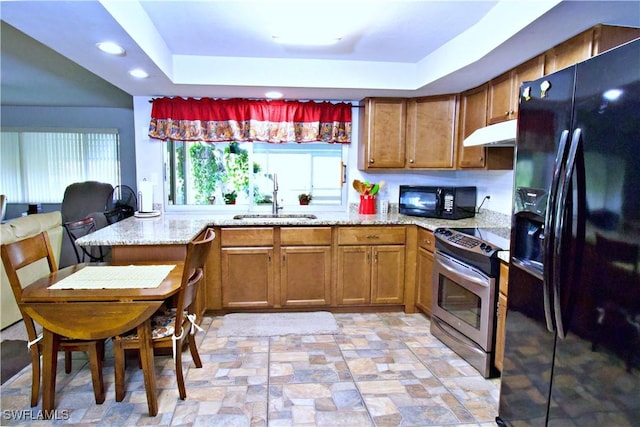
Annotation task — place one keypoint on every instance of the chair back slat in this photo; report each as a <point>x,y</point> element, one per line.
<point>22,254</point>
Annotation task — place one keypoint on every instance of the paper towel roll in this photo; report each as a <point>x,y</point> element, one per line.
<point>145,196</point>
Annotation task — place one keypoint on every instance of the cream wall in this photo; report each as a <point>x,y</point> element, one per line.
<point>497,184</point>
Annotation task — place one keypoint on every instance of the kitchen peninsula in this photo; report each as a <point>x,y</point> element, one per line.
<point>338,261</point>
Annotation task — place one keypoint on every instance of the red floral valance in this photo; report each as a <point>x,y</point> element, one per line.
<point>221,120</point>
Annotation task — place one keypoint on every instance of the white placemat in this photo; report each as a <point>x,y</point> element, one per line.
<point>116,277</point>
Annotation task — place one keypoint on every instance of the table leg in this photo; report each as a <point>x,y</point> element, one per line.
<point>148,367</point>
<point>49,367</point>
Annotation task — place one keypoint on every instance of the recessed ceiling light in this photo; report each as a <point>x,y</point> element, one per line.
<point>273,94</point>
<point>111,48</point>
<point>306,39</point>
<point>139,73</point>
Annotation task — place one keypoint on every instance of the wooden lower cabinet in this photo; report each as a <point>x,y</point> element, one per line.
<point>370,273</point>
<point>387,275</point>
<point>502,314</point>
<point>247,267</point>
<point>271,267</point>
<point>291,267</point>
<point>424,273</point>
<point>305,276</point>
<point>247,277</point>
<point>354,275</point>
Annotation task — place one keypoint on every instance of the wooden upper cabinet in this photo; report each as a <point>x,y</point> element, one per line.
<point>500,106</point>
<point>383,127</point>
<point>568,53</point>
<point>503,91</point>
<point>587,44</point>
<point>431,125</point>
<point>473,115</point>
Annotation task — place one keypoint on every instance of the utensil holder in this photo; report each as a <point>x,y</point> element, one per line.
<point>367,204</point>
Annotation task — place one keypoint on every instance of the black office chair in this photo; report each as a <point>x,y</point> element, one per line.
<point>81,200</point>
<point>77,229</point>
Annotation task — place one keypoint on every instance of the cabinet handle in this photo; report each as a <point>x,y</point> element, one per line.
<point>410,160</point>
<point>371,161</point>
<point>283,258</point>
<point>373,236</point>
<point>375,257</point>
<point>427,241</point>
<point>506,113</point>
<point>368,257</point>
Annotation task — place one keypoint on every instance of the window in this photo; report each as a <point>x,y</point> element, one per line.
<point>243,173</point>
<point>38,165</point>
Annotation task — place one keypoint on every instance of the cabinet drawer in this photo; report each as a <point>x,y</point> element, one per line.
<point>426,239</point>
<point>246,237</point>
<point>371,236</point>
<point>305,236</point>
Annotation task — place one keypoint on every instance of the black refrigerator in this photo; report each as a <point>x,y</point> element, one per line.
<point>572,348</point>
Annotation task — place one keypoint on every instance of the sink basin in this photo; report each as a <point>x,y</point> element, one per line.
<point>275,216</point>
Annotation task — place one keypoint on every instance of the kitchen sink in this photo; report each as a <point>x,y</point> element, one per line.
<point>275,216</point>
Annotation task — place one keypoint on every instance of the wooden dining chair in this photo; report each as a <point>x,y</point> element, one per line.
<point>35,253</point>
<point>171,328</point>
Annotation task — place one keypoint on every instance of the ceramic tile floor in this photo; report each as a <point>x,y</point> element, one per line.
<point>383,369</point>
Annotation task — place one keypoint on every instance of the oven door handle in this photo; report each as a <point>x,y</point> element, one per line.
<point>457,268</point>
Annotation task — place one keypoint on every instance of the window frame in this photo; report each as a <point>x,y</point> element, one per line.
<point>169,161</point>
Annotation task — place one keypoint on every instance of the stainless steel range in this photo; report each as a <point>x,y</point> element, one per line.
<point>465,277</point>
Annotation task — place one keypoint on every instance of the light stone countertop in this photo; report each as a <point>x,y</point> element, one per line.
<point>180,228</point>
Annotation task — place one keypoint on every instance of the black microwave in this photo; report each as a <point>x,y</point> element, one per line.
<point>438,202</point>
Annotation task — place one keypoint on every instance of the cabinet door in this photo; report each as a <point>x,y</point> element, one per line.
<point>247,277</point>
<point>383,132</point>
<point>500,105</point>
<point>500,330</point>
<point>529,71</point>
<point>503,286</point>
<point>425,280</point>
<point>305,276</point>
<point>354,275</point>
<point>473,115</point>
<point>431,124</point>
<point>570,52</point>
<point>387,284</point>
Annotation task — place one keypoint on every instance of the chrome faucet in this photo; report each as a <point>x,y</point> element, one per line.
<point>275,207</point>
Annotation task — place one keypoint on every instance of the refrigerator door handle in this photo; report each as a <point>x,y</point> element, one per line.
<point>563,205</point>
<point>550,217</point>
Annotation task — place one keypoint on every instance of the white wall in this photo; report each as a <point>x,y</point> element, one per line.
<point>497,184</point>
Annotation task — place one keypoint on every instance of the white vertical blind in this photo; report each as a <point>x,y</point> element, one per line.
<point>37,166</point>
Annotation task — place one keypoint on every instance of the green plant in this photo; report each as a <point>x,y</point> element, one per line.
<point>230,198</point>
<point>236,165</point>
<point>207,171</point>
<point>305,198</point>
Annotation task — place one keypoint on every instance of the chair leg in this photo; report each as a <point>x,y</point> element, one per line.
<point>179,374</point>
<point>119,360</point>
<point>67,362</point>
<point>194,351</point>
<point>35,374</point>
<point>96,372</point>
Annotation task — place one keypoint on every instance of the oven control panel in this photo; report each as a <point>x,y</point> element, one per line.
<point>465,241</point>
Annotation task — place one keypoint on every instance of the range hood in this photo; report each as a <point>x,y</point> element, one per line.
<point>499,135</point>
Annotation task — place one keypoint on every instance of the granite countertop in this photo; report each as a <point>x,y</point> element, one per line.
<point>180,228</point>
